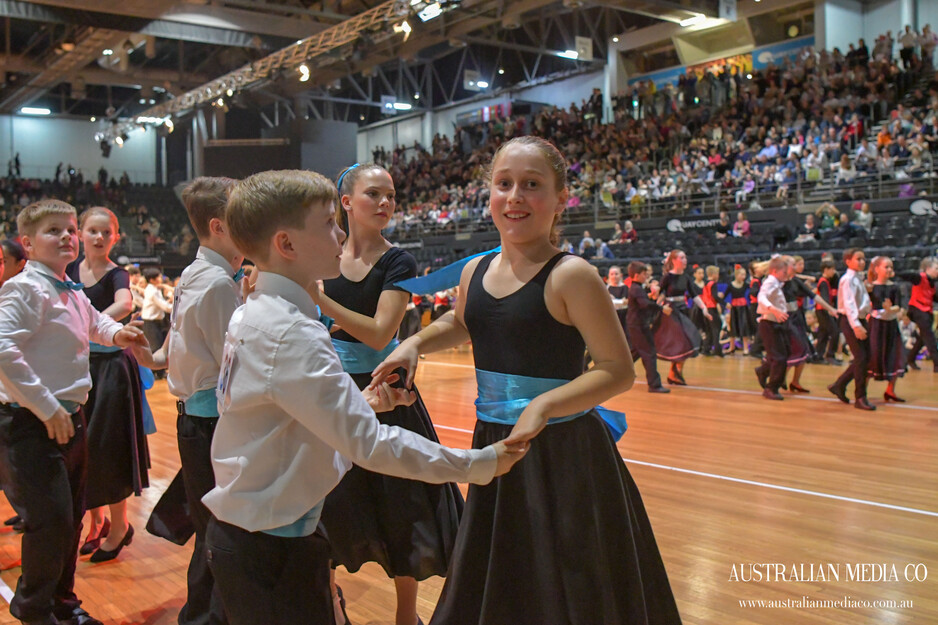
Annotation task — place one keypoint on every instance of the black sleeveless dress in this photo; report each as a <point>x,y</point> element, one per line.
<point>118,456</point>
<point>406,526</point>
<point>887,351</point>
<point>563,538</point>
<point>676,336</point>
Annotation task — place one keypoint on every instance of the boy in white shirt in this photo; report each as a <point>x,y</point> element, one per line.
<point>46,322</point>
<point>773,327</point>
<point>155,307</point>
<point>292,421</point>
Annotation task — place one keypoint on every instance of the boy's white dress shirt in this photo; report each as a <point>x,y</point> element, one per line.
<point>853,299</point>
<point>44,335</point>
<point>292,421</point>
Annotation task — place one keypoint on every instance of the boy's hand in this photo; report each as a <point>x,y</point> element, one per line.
<point>130,335</point>
<point>60,426</point>
<point>508,455</point>
<point>781,315</point>
<point>384,397</point>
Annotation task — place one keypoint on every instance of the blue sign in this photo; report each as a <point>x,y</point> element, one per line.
<point>776,53</point>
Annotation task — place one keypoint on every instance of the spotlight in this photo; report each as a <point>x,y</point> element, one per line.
<point>220,102</point>
<point>93,118</point>
<point>403,27</point>
<point>34,110</point>
<point>569,54</point>
<point>120,140</point>
<point>500,71</point>
<point>482,84</point>
<point>417,96</point>
<point>107,52</point>
<point>170,126</point>
<point>615,40</point>
<point>230,92</point>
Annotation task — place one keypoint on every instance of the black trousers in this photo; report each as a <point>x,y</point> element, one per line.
<point>828,334</point>
<point>642,342</point>
<point>776,339</point>
<point>714,326</point>
<point>194,435</point>
<point>857,371</point>
<point>46,486</point>
<point>926,335</point>
<point>756,347</point>
<point>271,580</point>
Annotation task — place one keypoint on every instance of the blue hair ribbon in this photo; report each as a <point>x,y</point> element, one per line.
<point>338,186</point>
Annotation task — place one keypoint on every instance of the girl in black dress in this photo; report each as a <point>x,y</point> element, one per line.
<point>887,352</point>
<point>407,527</point>
<point>676,336</point>
<point>118,457</point>
<point>740,328</point>
<point>757,270</point>
<point>564,537</point>
<point>795,291</point>
<point>619,291</point>
<point>696,312</point>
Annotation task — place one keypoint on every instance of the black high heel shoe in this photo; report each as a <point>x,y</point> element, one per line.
<point>797,388</point>
<point>892,397</point>
<point>91,544</point>
<point>103,556</point>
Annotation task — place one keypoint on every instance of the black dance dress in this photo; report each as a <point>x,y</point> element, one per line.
<point>887,352</point>
<point>563,538</point>
<point>406,526</point>
<point>739,311</point>
<point>118,456</point>
<point>800,348</point>
<point>676,336</point>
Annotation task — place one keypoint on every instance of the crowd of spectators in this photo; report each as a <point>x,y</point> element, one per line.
<point>737,138</point>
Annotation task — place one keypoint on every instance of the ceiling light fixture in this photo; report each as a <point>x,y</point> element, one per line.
<point>569,54</point>
<point>35,110</point>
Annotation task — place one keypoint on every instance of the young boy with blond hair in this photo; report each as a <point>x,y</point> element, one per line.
<point>46,325</point>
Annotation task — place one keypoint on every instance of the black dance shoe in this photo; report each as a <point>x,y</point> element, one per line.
<point>658,389</point>
<point>914,366</point>
<point>892,397</point>
<point>839,393</point>
<point>770,394</point>
<point>863,404</point>
<point>338,592</point>
<point>103,556</point>
<point>91,544</point>
<point>761,376</point>
<point>13,520</point>
<point>797,388</point>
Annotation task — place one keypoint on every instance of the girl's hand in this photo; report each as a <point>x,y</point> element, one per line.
<point>406,356</point>
<point>529,425</point>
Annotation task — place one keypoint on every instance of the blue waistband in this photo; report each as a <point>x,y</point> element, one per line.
<point>359,358</point>
<point>503,397</point>
<point>303,526</point>
<point>104,349</point>
<point>202,404</point>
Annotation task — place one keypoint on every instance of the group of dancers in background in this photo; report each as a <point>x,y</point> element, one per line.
<point>786,318</point>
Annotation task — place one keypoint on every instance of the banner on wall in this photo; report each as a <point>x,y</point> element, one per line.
<point>742,62</point>
<point>776,53</point>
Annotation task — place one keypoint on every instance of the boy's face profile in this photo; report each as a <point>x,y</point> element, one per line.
<point>54,242</point>
<point>317,247</point>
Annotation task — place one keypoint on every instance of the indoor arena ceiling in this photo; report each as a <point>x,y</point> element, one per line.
<point>120,59</point>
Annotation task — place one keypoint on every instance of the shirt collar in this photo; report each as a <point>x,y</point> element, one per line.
<point>212,257</point>
<point>44,269</point>
<point>281,286</point>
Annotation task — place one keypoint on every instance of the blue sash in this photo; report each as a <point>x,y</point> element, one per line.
<point>202,404</point>
<point>147,380</point>
<point>503,397</point>
<point>97,348</point>
<point>303,526</point>
<point>359,358</point>
<point>71,407</point>
<point>442,279</point>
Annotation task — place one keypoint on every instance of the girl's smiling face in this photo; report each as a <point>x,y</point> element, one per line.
<point>525,198</point>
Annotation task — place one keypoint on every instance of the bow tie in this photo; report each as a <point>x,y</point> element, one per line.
<point>238,275</point>
<point>64,285</point>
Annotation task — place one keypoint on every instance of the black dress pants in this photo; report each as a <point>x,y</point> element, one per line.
<point>46,485</point>
<point>857,371</point>
<point>828,334</point>
<point>271,580</point>
<point>926,335</point>
<point>194,435</point>
<point>776,339</point>
<point>642,342</point>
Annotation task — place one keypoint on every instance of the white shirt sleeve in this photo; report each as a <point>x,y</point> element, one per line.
<point>307,382</point>
<point>20,317</point>
<point>847,295</point>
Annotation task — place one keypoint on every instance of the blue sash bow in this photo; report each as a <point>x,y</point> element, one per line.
<point>202,404</point>
<point>503,397</point>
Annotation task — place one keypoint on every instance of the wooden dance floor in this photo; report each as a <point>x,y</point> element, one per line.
<point>736,487</point>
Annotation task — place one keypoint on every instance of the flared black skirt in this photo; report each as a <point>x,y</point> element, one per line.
<point>676,336</point>
<point>740,325</point>
<point>800,348</point>
<point>562,539</point>
<point>406,526</point>
<point>118,456</point>
<point>887,353</point>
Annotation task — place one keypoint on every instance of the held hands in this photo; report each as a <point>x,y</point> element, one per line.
<point>529,425</point>
<point>60,426</point>
<point>130,335</point>
<point>405,355</point>
<point>508,455</point>
<point>383,397</point>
